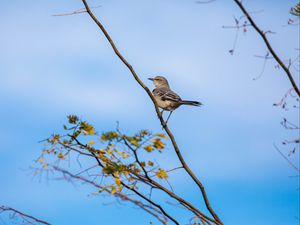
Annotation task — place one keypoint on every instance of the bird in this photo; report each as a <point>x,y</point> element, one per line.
<point>167,99</point>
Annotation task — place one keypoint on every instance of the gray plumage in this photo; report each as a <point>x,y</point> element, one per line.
<point>166,98</point>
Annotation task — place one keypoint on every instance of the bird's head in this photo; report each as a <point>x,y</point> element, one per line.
<point>159,81</point>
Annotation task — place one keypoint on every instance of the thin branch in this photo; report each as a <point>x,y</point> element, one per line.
<point>23,215</point>
<point>186,204</point>
<point>266,57</point>
<point>73,149</point>
<point>79,11</point>
<point>237,26</point>
<point>86,170</point>
<point>289,125</point>
<point>283,101</point>
<point>176,168</point>
<point>171,136</point>
<point>153,211</point>
<point>151,202</point>
<point>270,48</point>
<point>291,164</point>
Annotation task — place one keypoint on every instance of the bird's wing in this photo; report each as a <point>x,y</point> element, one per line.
<point>166,94</point>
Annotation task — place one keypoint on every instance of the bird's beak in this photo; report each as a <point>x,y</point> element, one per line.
<point>150,79</point>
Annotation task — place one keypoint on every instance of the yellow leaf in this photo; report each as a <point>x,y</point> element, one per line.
<point>113,190</point>
<point>150,163</point>
<point>91,142</point>
<point>161,135</point>
<point>118,182</point>
<point>158,143</point>
<point>134,142</point>
<point>45,166</point>
<point>120,153</point>
<point>148,148</point>
<point>110,151</point>
<point>91,131</point>
<point>162,174</point>
<point>101,156</point>
<point>60,155</point>
<point>125,156</point>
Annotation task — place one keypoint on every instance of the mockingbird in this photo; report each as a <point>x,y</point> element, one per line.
<point>166,98</point>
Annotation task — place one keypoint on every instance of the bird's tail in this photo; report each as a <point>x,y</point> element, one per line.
<point>194,103</point>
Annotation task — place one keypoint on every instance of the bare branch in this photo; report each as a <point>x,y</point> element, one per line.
<point>266,57</point>
<point>186,204</point>
<point>283,101</point>
<point>79,11</point>
<point>27,218</point>
<point>270,48</point>
<point>289,125</point>
<point>289,161</point>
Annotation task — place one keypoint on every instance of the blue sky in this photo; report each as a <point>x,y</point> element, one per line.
<point>54,66</point>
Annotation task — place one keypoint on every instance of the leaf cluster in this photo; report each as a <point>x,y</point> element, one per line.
<point>117,154</point>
